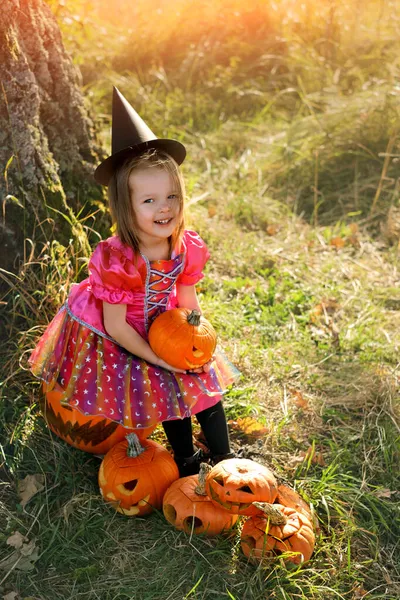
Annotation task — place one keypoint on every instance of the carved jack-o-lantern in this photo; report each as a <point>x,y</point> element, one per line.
<point>278,530</point>
<point>236,483</point>
<point>135,475</point>
<point>92,434</point>
<point>188,508</point>
<point>183,338</point>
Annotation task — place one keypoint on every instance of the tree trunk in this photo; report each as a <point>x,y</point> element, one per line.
<point>47,146</point>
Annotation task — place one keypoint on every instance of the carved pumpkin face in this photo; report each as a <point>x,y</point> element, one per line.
<point>237,482</point>
<point>183,338</point>
<point>92,434</point>
<point>261,539</point>
<point>135,485</point>
<point>188,511</point>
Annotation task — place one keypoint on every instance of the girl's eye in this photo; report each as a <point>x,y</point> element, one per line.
<point>148,200</point>
<point>173,196</point>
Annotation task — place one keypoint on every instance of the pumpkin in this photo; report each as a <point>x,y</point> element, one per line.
<point>187,507</point>
<point>236,483</point>
<point>278,530</point>
<point>288,497</point>
<point>183,338</point>
<point>94,434</point>
<point>134,475</point>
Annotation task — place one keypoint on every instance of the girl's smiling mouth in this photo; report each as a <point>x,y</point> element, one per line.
<point>163,221</point>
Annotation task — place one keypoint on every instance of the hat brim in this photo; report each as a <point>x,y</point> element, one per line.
<point>105,170</point>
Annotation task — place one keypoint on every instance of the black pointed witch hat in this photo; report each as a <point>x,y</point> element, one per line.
<point>130,136</point>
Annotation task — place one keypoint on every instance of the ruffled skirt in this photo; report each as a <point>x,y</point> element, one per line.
<point>99,377</point>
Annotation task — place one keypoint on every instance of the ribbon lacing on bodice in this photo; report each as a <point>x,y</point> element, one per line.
<point>159,286</point>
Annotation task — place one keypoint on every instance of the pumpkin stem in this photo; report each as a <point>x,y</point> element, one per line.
<point>194,318</point>
<point>275,516</point>
<point>134,447</point>
<point>200,488</point>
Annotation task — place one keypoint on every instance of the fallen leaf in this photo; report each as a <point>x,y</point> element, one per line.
<point>299,399</point>
<point>16,540</point>
<point>353,228</point>
<point>383,493</point>
<point>387,578</point>
<point>327,306</point>
<point>272,229</point>
<point>10,596</point>
<point>337,242</point>
<point>199,440</point>
<point>249,426</point>
<point>22,559</point>
<point>354,241</point>
<point>316,457</point>
<point>28,549</point>
<point>359,592</point>
<point>28,487</point>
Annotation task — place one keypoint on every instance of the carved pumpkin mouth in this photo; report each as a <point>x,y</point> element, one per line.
<point>135,509</point>
<point>196,354</point>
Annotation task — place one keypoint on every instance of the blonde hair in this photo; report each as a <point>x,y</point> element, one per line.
<point>119,196</point>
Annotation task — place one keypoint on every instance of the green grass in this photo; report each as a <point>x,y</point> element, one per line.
<point>291,124</point>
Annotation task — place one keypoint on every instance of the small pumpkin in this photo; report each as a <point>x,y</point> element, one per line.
<point>188,508</point>
<point>183,338</point>
<point>93,434</point>
<point>236,483</point>
<point>278,530</point>
<point>134,475</point>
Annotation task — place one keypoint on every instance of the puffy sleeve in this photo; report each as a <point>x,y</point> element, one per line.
<point>112,275</point>
<point>197,255</point>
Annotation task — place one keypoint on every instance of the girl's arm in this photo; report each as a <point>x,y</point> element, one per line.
<point>114,316</point>
<point>187,297</point>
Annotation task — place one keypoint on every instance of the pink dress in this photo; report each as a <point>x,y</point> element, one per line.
<point>98,376</point>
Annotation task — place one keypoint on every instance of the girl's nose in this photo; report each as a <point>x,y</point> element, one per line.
<point>166,205</point>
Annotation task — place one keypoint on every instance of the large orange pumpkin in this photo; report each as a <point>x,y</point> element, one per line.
<point>189,509</point>
<point>92,434</point>
<point>183,338</point>
<point>236,483</point>
<point>278,530</point>
<point>134,475</point>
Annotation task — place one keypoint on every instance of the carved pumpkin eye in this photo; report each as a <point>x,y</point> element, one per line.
<point>246,488</point>
<point>130,485</point>
<point>197,353</point>
<point>219,480</point>
<point>192,523</point>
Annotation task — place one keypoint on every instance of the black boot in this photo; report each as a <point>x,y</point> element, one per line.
<point>216,458</point>
<point>190,465</point>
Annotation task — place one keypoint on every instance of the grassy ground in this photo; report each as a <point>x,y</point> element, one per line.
<point>292,181</point>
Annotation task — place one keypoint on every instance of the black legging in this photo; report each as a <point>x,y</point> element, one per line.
<point>213,423</point>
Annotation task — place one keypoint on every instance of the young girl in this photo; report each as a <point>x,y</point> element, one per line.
<point>96,347</point>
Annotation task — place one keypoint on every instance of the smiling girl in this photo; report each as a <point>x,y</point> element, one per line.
<point>96,348</point>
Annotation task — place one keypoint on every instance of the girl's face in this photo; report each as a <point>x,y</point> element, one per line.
<point>156,204</point>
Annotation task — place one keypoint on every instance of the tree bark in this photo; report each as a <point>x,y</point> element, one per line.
<point>47,143</point>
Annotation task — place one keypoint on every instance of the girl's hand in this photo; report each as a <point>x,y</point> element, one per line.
<point>205,368</point>
<point>161,363</point>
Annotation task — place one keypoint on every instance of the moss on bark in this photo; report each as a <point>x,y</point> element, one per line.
<point>48,148</point>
